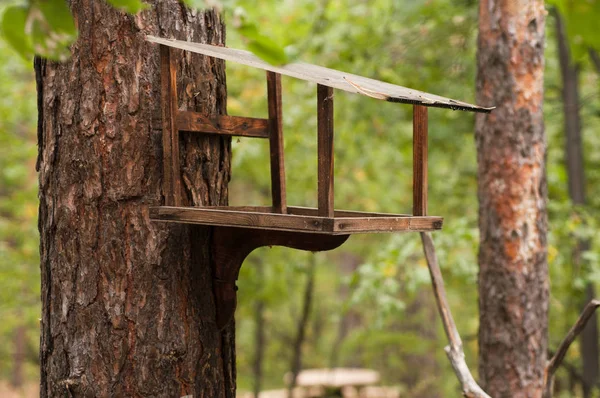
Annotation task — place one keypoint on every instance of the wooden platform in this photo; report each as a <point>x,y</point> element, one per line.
<point>297,219</point>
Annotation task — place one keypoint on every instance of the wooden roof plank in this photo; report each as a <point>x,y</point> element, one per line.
<point>325,76</point>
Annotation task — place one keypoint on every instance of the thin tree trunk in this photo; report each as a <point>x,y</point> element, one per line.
<point>296,363</point>
<point>127,308</point>
<point>259,339</point>
<point>350,319</point>
<point>576,179</point>
<point>511,148</point>
<point>16,379</point>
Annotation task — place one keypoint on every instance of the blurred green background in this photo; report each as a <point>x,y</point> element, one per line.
<point>372,305</point>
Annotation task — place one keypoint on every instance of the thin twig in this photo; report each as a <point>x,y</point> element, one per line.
<point>454,350</point>
<point>558,358</point>
<point>595,59</point>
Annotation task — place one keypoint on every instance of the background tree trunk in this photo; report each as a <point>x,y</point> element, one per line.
<point>127,303</point>
<point>576,178</point>
<point>296,362</point>
<point>259,338</point>
<point>511,146</point>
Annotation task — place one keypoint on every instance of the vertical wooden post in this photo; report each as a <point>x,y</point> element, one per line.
<point>278,193</point>
<point>420,160</point>
<point>325,150</point>
<point>171,168</point>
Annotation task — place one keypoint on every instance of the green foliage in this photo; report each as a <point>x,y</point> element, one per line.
<point>581,20</point>
<point>378,285</point>
<point>43,27</point>
<point>46,27</point>
<point>19,258</point>
<point>130,6</point>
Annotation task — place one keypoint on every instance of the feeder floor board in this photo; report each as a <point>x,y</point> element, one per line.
<point>297,219</point>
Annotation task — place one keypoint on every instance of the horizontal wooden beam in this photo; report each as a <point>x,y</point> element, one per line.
<point>225,125</point>
<point>263,218</point>
<point>304,211</point>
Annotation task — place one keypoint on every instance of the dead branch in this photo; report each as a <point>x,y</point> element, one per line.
<point>558,358</point>
<point>454,350</point>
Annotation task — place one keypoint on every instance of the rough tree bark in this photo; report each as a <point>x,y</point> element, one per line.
<point>511,147</point>
<point>576,179</point>
<point>127,303</point>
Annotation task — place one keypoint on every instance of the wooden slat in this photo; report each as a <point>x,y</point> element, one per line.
<point>278,192</point>
<point>306,211</point>
<point>206,216</point>
<point>311,211</point>
<point>325,149</point>
<point>171,169</point>
<point>324,76</point>
<point>420,160</point>
<point>295,223</point>
<point>225,125</point>
<point>385,224</point>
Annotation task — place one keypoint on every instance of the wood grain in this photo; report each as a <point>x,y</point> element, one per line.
<point>223,124</point>
<point>171,167</point>
<point>278,192</point>
<point>420,132</point>
<point>325,149</point>
<point>325,76</point>
<point>356,223</point>
<point>307,211</point>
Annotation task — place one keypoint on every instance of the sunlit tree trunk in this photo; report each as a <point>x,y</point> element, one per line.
<point>127,303</point>
<point>511,146</point>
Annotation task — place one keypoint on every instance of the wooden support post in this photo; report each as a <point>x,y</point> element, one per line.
<point>325,150</point>
<point>276,142</point>
<point>419,160</point>
<point>171,168</point>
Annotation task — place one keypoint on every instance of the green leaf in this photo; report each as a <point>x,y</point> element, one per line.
<point>13,29</point>
<point>130,6</point>
<point>58,16</point>
<point>261,45</point>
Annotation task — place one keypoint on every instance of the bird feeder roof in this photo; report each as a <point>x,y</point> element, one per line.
<point>325,76</point>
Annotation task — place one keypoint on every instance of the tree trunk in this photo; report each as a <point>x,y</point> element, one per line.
<point>296,363</point>
<point>127,303</point>
<point>16,378</point>
<point>576,179</point>
<point>511,147</point>
<point>259,338</point>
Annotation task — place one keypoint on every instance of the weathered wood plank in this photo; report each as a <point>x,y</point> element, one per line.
<point>325,149</point>
<point>294,223</point>
<point>223,124</point>
<point>420,132</point>
<point>311,211</point>
<point>327,77</point>
<point>385,224</point>
<point>171,167</point>
<point>278,192</point>
<point>307,211</point>
<point>205,216</point>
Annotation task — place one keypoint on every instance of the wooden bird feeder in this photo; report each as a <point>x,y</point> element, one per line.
<point>237,231</point>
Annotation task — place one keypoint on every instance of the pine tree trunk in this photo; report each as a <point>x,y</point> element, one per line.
<point>511,146</point>
<point>127,303</point>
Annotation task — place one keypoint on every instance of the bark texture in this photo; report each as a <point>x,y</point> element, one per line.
<point>128,308</point>
<point>576,177</point>
<point>511,146</point>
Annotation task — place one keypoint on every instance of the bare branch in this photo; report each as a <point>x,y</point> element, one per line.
<point>558,358</point>
<point>595,57</point>
<point>454,350</point>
